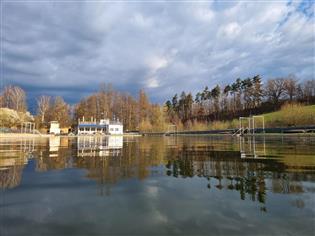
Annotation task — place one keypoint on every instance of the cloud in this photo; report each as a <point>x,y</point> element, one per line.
<point>61,48</point>
<point>153,83</point>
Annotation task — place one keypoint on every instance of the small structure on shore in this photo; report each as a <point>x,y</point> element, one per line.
<point>104,126</point>
<point>28,127</point>
<point>249,127</point>
<point>54,127</point>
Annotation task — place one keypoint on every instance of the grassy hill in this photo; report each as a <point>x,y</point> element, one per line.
<point>289,115</point>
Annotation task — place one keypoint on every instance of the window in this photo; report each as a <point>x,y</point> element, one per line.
<point>117,129</point>
<point>111,129</point>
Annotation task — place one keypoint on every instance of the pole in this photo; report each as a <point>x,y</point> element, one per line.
<point>253,125</point>
<point>263,124</point>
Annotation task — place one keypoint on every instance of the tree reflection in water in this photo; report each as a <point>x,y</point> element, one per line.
<point>222,161</point>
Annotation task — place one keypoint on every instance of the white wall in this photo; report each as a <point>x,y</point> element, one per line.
<point>115,129</point>
<point>54,128</point>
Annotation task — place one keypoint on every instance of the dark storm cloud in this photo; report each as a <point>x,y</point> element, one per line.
<point>69,49</point>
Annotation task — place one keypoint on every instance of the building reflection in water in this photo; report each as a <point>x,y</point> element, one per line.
<point>99,145</point>
<point>54,144</point>
<point>249,166</point>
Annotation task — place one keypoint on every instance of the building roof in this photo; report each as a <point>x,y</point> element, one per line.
<point>115,123</point>
<point>97,125</point>
<point>85,125</point>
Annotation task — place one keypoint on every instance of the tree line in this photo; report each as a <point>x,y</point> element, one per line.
<point>135,114</point>
<point>243,97</point>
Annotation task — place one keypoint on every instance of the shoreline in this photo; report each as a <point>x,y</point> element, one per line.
<point>23,135</point>
<point>19,135</point>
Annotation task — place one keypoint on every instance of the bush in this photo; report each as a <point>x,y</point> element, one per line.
<point>10,118</point>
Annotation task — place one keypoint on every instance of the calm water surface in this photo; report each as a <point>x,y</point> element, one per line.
<point>157,186</point>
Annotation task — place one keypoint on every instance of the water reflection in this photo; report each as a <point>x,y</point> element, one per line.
<point>250,149</point>
<point>13,157</point>
<point>252,167</point>
<point>99,145</point>
<point>54,144</point>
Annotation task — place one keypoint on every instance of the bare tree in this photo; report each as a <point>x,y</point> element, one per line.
<point>309,90</point>
<point>60,111</point>
<point>290,86</point>
<point>144,105</point>
<point>275,89</point>
<point>14,98</point>
<point>1,101</point>
<point>43,106</point>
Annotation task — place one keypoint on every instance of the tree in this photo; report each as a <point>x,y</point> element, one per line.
<point>215,94</point>
<point>290,87</point>
<point>226,91</point>
<point>206,99</point>
<point>205,94</point>
<point>175,103</point>
<point>158,119</point>
<point>1,100</point>
<point>60,111</point>
<point>309,91</point>
<point>247,88</point>
<point>236,93</point>
<point>275,89</point>
<point>143,105</point>
<point>188,105</point>
<point>182,106</point>
<point>43,106</point>
<point>168,105</point>
<point>14,98</point>
<point>111,104</point>
<point>238,84</point>
<point>198,98</point>
<point>257,91</point>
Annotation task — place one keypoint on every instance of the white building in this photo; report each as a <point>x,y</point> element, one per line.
<point>54,127</point>
<point>105,126</point>
<point>113,127</point>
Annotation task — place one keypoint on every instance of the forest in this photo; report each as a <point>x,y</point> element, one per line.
<point>187,111</point>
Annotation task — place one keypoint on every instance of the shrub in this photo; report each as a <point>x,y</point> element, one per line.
<point>10,118</point>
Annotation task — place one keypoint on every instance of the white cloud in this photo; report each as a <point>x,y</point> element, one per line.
<point>155,63</point>
<point>152,83</point>
<point>141,21</point>
<point>230,30</point>
<point>164,47</point>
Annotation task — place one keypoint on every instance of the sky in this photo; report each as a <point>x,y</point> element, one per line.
<point>67,48</point>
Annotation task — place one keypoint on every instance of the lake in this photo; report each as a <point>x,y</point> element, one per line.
<point>177,185</point>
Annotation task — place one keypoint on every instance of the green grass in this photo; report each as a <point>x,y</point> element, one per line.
<point>289,115</point>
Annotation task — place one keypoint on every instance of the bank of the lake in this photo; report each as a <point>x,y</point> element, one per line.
<point>24,135</point>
